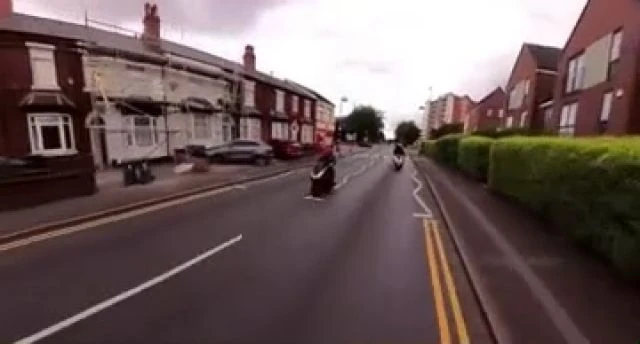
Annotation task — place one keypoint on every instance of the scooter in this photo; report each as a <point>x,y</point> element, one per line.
<point>322,179</point>
<point>398,161</point>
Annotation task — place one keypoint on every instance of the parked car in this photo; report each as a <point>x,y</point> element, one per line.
<point>256,152</point>
<point>286,150</point>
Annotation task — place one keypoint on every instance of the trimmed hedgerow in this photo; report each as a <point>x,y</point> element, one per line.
<point>588,188</point>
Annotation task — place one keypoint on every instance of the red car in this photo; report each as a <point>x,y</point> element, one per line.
<point>286,150</point>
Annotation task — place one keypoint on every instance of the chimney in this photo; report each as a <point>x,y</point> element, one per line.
<point>151,22</point>
<point>6,8</point>
<point>249,58</point>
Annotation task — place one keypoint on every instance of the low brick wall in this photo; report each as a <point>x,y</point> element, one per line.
<point>68,177</point>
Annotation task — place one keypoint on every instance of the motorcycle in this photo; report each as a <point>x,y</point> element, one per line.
<point>322,179</point>
<point>398,161</point>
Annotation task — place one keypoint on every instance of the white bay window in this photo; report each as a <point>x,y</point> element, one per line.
<point>51,134</point>
<point>250,129</point>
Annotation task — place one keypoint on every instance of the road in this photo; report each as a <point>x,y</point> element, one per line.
<point>255,263</point>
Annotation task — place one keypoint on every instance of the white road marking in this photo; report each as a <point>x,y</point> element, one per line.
<point>125,295</point>
<point>265,180</point>
<point>422,216</point>
<point>115,218</point>
<point>428,212</point>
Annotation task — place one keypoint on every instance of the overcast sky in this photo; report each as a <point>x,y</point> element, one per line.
<point>384,53</point>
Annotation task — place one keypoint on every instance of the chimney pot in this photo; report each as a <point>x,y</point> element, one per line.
<point>6,8</point>
<point>249,58</point>
<point>151,22</point>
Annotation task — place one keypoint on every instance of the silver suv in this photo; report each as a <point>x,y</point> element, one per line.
<point>256,152</point>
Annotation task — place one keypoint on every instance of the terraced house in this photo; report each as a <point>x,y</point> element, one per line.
<point>597,92</point>
<point>530,84</point>
<point>90,98</point>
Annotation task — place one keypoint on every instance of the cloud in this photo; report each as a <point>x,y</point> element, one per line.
<point>213,17</point>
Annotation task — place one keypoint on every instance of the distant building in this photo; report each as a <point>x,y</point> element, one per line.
<point>488,113</point>
<point>446,109</point>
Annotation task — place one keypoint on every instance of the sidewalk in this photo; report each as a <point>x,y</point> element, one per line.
<point>538,288</point>
<point>113,194</point>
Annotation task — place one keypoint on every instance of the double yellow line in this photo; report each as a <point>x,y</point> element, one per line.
<point>436,254</point>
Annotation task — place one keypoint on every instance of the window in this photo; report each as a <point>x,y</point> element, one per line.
<point>526,87</point>
<point>143,131</point>
<point>616,45</point>
<point>607,102</point>
<point>51,134</point>
<point>249,93</point>
<point>568,119</point>
<point>279,101</point>
<point>614,55</point>
<point>548,117</point>
<point>516,96</point>
<point>294,103</point>
<point>509,123</point>
<point>307,109</point>
<point>523,119</point>
<point>43,66</point>
<point>501,113</point>
<point>489,112</point>
<point>244,128</point>
<point>279,130</point>
<point>201,126</point>
<point>575,74</point>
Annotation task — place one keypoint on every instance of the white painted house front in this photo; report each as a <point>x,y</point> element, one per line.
<point>199,118</point>
<point>132,117</point>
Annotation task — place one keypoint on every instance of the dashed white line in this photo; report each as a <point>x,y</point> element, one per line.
<point>125,295</point>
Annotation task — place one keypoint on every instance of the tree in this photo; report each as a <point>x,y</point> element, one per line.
<point>365,121</point>
<point>407,132</point>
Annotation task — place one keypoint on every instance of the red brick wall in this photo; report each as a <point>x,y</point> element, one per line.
<point>600,18</point>
<point>543,87</point>
<point>524,68</point>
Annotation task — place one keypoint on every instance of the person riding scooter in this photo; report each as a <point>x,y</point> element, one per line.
<point>398,156</point>
<point>323,174</point>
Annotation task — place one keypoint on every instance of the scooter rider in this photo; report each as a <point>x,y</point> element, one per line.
<point>398,150</point>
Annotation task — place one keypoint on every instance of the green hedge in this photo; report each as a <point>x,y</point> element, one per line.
<point>588,188</point>
<point>473,156</point>
<point>446,149</point>
<point>427,148</point>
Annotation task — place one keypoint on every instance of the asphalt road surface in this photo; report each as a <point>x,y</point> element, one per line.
<point>253,264</point>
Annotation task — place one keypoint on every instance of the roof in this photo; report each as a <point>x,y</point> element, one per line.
<point>496,90</point>
<point>18,22</point>
<point>546,57</point>
<point>316,94</point>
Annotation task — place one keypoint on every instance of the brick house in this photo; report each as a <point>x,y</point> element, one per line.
<point>530,84</point>
<point>597,91</point>
<point>43,113</point>
<point>488,112</point>
<point>277,109</point>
